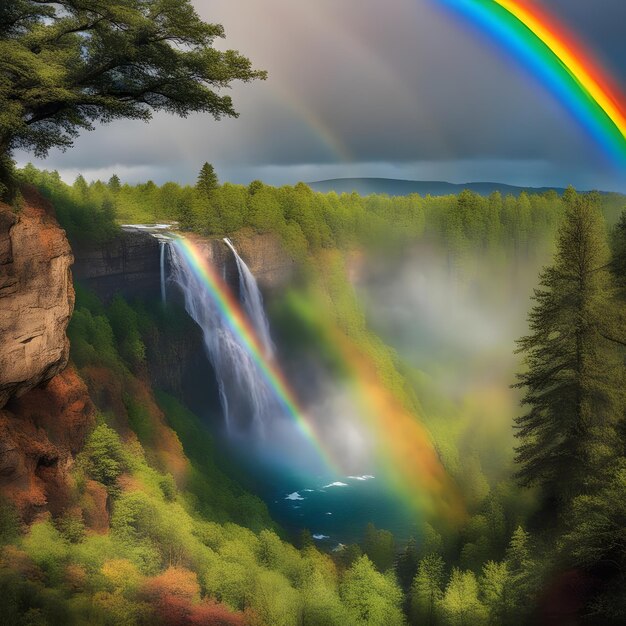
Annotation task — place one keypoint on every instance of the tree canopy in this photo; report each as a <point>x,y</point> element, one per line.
<point>67,64</point>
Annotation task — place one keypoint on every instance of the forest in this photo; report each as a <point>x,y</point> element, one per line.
<point>478,341</point>
<point>547,518</point>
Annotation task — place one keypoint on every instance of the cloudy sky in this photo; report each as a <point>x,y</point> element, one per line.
<point>399,89</point>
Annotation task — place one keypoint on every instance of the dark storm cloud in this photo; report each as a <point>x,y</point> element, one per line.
<point>405,87</point>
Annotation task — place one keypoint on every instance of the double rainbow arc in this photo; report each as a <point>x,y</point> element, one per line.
<point>560,60</point>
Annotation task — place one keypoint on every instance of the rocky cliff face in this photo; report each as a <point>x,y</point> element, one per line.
<point>267,259</point>
<point>130,263</point>
<point>36,296</point>
<point>42,430</point>
<point>40,434</point>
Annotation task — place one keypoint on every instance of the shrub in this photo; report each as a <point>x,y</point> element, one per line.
<point>103,458</point>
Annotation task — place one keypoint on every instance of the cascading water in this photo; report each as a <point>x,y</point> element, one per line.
<point>252,300</point>
<point>163,246</point>
<point>244,393</point>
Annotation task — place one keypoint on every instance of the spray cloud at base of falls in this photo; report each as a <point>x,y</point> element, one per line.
<point>254,394</point>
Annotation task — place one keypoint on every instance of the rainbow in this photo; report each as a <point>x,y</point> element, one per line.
<point>560,60</point>
<point>235,318</point>
<point>411,463</point>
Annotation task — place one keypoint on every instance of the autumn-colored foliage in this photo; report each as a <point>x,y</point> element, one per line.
<point>175,596</point>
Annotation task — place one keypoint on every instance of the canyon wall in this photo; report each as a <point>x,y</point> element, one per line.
<point>36,296</point>
<point>45,410</point>
<point>130,263</point>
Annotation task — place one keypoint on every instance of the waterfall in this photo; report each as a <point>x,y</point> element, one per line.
<point>163,245</point>
<point>245,396</point>
<point>252,300</point>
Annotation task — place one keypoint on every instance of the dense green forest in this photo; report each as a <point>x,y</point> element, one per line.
<point>204,549</point>
<point>158,526</point>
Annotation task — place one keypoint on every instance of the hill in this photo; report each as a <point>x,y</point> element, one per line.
<point>392,187</point>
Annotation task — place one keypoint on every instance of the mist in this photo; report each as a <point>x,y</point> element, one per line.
<point>454,328</point>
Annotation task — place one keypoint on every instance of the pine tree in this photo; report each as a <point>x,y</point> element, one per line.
<point>115,184</point>
<point>81,187</point>
<point>460,604</point>
<point>495,591</point>
<point>522,576</point>
<point>207,180</point>
<point>407,563</point>
<point>427,589</point>
<point>379,546</point>
<point>573,376</point>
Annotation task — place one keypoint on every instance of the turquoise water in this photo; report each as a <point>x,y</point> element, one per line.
<point>334,508</point>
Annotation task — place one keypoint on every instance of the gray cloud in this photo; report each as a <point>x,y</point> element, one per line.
<point>370,88</point>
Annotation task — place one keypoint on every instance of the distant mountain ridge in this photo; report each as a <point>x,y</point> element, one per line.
<point>393,187</point>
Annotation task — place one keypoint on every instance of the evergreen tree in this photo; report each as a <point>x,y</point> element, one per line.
<point>495,592</point>
<point>407,563</point>
<point>379,546</point>
<point>427,589</point>
<point>207,180</point>
<point>114,184</point>
<point>521,575</point>
<point>494,221</point>
<point>81,187</point>
<point>595,542</point>
<point>371,598</point>
<point>573,376</point>
<point>460,605</point>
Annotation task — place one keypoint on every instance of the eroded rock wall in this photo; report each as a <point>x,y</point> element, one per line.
<point>36,296</point>
<point>40,434</point>
<point>129,264</point>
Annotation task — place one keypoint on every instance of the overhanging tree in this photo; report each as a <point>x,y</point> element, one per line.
<point>574,377</point>
<point>67,64</point>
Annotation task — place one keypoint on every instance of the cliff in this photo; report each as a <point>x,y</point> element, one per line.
<point>130,263</point>
<point>267,259</point>
<point>127,264</point>
<point>42,426</point>
<point>36,296</point>
<point>46,410</point>
<point>40,434</point>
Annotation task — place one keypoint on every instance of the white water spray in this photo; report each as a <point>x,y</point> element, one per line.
<point>163,245</point>
<point>252,301</point>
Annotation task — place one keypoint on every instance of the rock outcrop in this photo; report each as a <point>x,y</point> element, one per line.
<point>36,296</point>
<point>267,259</point>
<point>40,434</point>
<point>129,264</point>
